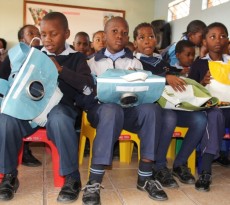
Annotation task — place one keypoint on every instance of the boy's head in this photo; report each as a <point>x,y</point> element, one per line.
<point>27,33</point>
<point>98,41</point>
<point>81,42</point>
<point>195,31</point>
<point>144,39</point>
<point>54,32</point>
<point>185,53</point>
<point>215,38</point>
<point>116,34</point>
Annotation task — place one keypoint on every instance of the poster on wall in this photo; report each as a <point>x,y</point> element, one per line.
<point>79,18</point>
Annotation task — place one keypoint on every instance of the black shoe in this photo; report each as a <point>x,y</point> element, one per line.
<point>165,178</point>
<point>153,188</point>
<point>91,195</point>
<point>8,187</point>
<point>70,191</point>
<point>204,181</point>
<point>223,161</point>
<point>29,160</point>
<point>183,173</point>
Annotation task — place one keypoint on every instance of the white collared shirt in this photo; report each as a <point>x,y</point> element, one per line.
<point>66,52</point>
<point>114,56</point>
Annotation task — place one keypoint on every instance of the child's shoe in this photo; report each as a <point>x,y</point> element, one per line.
<point>153,188</point>
<point>204,181</point>
<point>91,195</point>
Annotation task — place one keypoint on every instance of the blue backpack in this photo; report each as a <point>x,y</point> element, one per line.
<point>128,87</point>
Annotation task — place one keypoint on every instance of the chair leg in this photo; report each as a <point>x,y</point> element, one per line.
<point>82,148</point>
<point>171,150</point>
<point>125,149</point>
<point>58,180</point>
<point>192,162</point>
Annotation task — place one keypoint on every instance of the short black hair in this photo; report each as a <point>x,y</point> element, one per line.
<point>4,42</point>
<point>181,45</point>
<point>195,26</point>
<point>213,25</point>
<point>82,33</point>
<point>142,25</point>
<point>21,31</point>
<point>116,18</point>
<point>57,16</point>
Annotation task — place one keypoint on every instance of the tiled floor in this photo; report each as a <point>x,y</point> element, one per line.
<point>36,186</point>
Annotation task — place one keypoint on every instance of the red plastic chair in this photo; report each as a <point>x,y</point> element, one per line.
<point>41,136</point>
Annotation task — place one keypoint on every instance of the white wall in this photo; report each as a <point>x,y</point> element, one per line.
<point>219,13</point>
<point>11,14</point>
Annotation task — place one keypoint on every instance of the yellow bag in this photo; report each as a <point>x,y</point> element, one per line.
<point>220,84</point>
<point>220,71</point>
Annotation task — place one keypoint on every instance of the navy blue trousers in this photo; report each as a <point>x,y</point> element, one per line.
<point>196,122</point>
<point>60,129</point>
<point>110,119</point>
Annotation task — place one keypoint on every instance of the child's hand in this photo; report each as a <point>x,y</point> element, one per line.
<point>206,79</point>
<point>59,68</point>
<point>178,84</point>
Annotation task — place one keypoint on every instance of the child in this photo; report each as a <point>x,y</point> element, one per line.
<point>81,42</point>
<point>145,42</point>
<point>74,79</point>
<point>98,41</point>
<point>215,39</point>
<point>185,53</point>
<point>109,119</point>
<point>193,34</point>
<point>30,35</point>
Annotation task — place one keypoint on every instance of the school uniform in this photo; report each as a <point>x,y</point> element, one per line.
<point>109,119</point>
<point>195,121</point>
<point>74,80</point>
<point>218,119</point>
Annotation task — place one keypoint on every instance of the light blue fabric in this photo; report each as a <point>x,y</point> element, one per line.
<point>4,87</point>
<point>111,87</point>
<point>29,65</point>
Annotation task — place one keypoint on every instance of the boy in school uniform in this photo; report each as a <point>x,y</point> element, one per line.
<point>185,53</point>
<point>74,79</point>
<point>109,119</point>
<point>145,42</point>
<point>81,42</point>
<point>215,39</point>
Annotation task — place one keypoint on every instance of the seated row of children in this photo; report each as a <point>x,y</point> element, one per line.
<point>153,124</point>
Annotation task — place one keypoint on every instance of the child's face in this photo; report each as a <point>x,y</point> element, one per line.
<point>186,57</point>
<point>81,44</point>
<point>116,36</point>
<point>99,41</point>
<point>53,36</point>
<point>196,38</point>
<point>216,40</point>
<point>145,41</point>
<point>29,33</point>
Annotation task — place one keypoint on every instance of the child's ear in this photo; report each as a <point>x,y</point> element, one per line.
<point>177,55</point>
<point>135,44</point>
<point>67,34</point>
<point>204,43</point>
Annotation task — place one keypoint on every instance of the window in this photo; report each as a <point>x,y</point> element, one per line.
<point>210,3</point>
<point>178,9</point>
